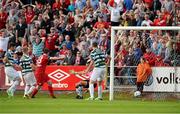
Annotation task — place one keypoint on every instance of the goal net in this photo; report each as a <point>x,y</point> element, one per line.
<point>129,44</point>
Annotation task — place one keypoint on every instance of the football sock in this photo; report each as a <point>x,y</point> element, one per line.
<point>99,91</point>
<point>77,91</point>
<point>80,91</point>
<point>31,90</point>
<point>91,90</point>
<point>13,87</point>
<point>34,92</point>
<point>26,89</point>
<point>51,91</point>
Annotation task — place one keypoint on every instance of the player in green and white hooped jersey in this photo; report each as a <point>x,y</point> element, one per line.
<point>98,60</point>
<point>27,67</point>
<point>12,74</point>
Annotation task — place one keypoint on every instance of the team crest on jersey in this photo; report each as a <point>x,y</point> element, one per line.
<point>59,75</point>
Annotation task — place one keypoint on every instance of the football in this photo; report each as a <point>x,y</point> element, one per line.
<point>137,93</point>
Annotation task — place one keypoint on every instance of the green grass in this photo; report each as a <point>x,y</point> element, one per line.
<point>66,103</point>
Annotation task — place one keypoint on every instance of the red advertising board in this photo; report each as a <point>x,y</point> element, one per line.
<point>2,77</point>
<point>61,77</point>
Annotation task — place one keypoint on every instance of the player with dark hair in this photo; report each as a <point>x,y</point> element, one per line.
<point>98,60</point>
<point>40,74</point>
<point>97,63</point>
<point>10,70</point>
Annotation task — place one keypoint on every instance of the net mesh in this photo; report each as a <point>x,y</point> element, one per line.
<point>159,47</point>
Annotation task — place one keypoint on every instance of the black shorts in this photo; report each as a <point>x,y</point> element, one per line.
<point>140,86</point>
<point>87,85</point>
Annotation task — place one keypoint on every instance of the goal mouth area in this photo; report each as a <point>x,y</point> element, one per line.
<point>170,29</point>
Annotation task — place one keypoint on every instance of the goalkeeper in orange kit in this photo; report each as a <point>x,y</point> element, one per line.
<point>143,72</point>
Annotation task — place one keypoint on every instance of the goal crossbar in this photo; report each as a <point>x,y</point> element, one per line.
<point>146,28</point>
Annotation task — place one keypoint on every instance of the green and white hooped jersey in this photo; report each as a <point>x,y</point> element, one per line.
<point>98,57</point>
<point>25,63</point>
<point>9,55</point>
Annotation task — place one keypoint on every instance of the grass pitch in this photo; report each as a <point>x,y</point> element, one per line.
<point>66,103</point>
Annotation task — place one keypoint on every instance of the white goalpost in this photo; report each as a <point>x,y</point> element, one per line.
<point>113,30</point>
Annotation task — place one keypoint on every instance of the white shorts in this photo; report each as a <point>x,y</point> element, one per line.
<point>97,74</point>
<point>11,73</point>
<point>29,79</point>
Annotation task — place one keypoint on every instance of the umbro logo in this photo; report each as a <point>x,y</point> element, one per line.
<point>59,75</point>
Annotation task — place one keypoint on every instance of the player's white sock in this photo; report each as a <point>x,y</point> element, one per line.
<point>13,87</point>
<point>91,90</point>
<point>100,91</point>
<point>31,90</point>
<point>26,89</point>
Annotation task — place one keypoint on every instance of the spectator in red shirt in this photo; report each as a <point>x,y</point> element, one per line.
<point>159,61</point>
<point>64,50</point>
<point>150,57</point>
<point>1,56</point>
<point>148,3</point>
<point>119,63</point>
<point>101,24</point>
<point>30,15</point>
<point>3,18</point>
<point>64,4</point>
<point>3,2</point>
<point>51,40</point>
<point>111,3</point>
<point>70,18</point>
<point>160,21</point>
<point>165,13</point>
<point>56,5</point>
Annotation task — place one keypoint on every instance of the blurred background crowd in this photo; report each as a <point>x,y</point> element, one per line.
<point>69,27</point>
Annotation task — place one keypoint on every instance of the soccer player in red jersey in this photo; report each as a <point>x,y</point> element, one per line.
<point>40,74</point>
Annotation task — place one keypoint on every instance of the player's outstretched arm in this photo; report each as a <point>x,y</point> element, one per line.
<point>74,72</point>
<point>5,60</point>
<point>89,67</point>
<point>57,58</point>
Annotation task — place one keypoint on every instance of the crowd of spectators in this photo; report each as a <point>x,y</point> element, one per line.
<point>69,27</point>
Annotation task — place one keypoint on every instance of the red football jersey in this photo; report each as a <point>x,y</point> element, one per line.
<point>3,18</point>
<point>42,63</point>
<point>56,5</point>
<point>29,16</point>
<point>50,42</point>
